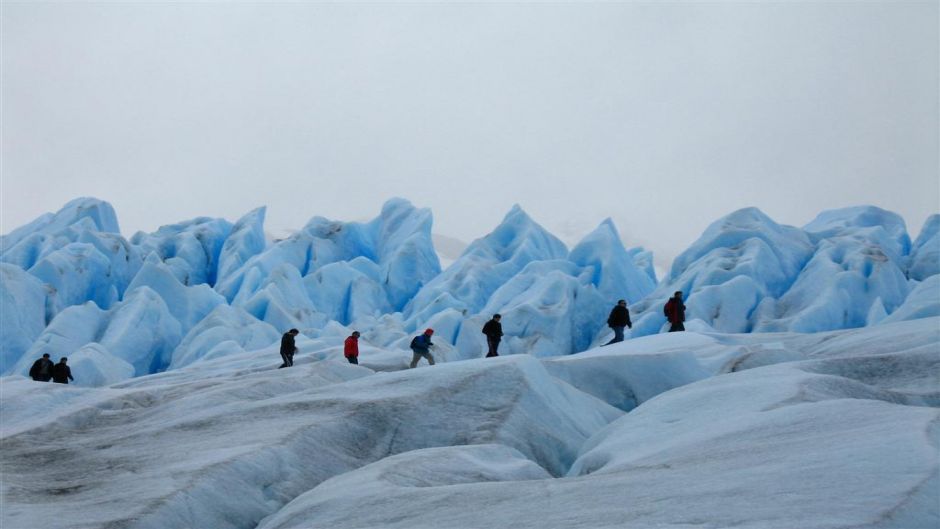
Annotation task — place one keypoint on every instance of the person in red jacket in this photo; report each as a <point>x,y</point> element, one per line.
<point>675,312</point>
<point>351,348</point>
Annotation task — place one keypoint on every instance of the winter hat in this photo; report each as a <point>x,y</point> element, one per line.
<point>429,331</point>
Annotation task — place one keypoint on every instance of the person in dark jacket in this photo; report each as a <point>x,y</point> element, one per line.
<point>494,333</point>
<point>42,369</point>
<point>618,319</point>
<point>288,348</point>
<point>421,346</point>
<point>675,312</point>
<point>62,373</point>
<point>351,348</point>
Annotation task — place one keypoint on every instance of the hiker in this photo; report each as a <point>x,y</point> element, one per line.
<point>351,348</point>
<point>421,346</point>
<point>675,312</point>
<point>42,369</point>
<point>288,348</point>
<point>494,333</point>
<point>618,319</point>
<point>62,373</point>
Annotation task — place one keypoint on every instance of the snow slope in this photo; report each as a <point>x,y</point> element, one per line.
<point>846,441</point>
<point>226,452</point>
<point>781,430</point>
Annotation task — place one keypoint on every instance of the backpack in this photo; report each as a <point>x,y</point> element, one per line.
<point>667,310</point>
<point>414,341</point>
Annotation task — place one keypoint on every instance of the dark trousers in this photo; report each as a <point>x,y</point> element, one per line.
<point>353,360</point>
<point>288,359</point>
<point>677,326</point>
<point>493,344</point>
<point>618,334</point>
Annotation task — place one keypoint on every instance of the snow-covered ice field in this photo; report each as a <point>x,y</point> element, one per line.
<point>826,430</point>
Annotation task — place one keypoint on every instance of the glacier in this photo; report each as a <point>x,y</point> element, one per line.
<point>847,268</point>
<point>803,394</point>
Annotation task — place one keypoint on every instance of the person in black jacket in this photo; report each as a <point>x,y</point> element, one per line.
<point>62,373</point>
<point>42,369</point>
<point>494,333</point>
<point>675,312</point>
<point>288,348</point>
<point>618,319</point>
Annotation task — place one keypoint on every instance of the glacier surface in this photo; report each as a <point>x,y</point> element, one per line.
<point>825,430</point>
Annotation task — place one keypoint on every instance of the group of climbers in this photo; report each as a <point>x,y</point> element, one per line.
<point>421,344</point>
<point>619,318</point>
<point>44,370</point>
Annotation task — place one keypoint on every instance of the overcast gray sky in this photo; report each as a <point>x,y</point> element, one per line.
<point>661,116</point>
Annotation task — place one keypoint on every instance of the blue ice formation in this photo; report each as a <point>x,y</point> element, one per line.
<point>398,257</point>
<point>191,250</point>
<point>925,253</point>
<point>208,288</point>
<point>22,313</point>
<point>847,268</point>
